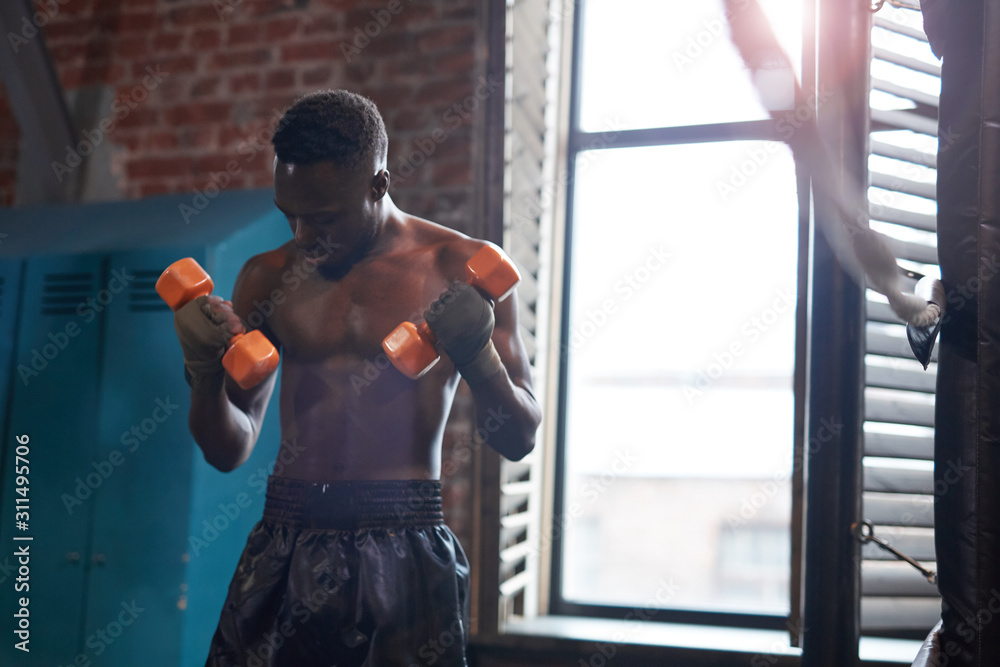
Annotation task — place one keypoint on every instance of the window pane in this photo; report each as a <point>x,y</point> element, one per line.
<point>649,63</point>
<point>680,361</point>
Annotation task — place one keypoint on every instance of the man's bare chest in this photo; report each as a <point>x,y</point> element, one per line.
<point>323,319</point>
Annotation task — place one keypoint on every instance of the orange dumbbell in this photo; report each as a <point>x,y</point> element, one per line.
<point>251,357</point>
<point>410,347</point>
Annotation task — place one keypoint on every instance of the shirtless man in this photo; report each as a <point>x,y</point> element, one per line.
<point>351,563</point>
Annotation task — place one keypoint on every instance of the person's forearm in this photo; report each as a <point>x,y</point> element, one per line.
<point>224,433</point>
<point>508,416</point>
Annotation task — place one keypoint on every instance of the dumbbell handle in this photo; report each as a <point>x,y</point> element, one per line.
<point>250,357</point>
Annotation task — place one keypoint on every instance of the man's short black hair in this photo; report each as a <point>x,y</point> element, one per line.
<point>335,126</point>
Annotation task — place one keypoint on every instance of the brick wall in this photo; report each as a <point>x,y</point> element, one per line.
<point>169,95</point>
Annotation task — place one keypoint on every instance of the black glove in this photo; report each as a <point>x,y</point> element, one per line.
<point>462,320</point>
<point>204,327</point>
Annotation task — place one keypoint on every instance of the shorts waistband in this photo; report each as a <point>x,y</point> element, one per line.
<point>353,505</point>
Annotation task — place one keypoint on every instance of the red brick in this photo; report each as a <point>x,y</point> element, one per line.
<point>454,172</point>
<point>204,15</point>
<point>231,59</point>
<point>457,145</point>
<point>166,42</point>
<point>304,51</point>
<point>205,39</point>
<point>409,67</point>
<point>205,86</point>
<point>158,187</point>
<point>68,9</point>
<point>243,34</point>
<point>389,96</point>
<point>327,24</point>
<point>212,164</point>
<point>98,49</point>
<point>67,52</point>
<point>123,24</point>
<point>231,137</point>
<point>444,93</point>
<point>193,114</point>
<point>132,47</point>
<point>462,61</point>
<point>161,141</point>
<point>440,39</point>
<point>243,83</point>
<point>65,28</point>
<point>281,29</point>
<point>409,119</point>
<point>129,139</point>
<point>359,71</point>
<point>139,117</point>
<point>168,66</point>
<point>280,79</point>
<point>88,75</point>
<point>158,167</point>
<point>317,76</point>
<point>263,179</point>
<point>414,15</point>
<point>197,136</point>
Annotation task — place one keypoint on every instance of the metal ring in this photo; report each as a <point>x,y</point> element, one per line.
<point>864,531</point>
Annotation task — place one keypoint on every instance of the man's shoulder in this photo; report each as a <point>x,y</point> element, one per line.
<point>262,269</point>
<point>452,248</point>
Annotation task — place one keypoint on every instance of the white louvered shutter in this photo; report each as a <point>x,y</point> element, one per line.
<point>899,394</point>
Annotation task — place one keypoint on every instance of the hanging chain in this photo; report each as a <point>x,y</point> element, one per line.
<point>865,532</point>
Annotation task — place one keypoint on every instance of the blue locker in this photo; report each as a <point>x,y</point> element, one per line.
<point>126,571</point>
<point>140,511</point>
<point>55,402</point>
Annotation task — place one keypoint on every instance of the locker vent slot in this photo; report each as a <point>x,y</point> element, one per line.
<point>64,293</point>
<point>142,296</point>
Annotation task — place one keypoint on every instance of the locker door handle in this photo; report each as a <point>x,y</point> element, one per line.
<point>98,559</point>
<point>73,556</point>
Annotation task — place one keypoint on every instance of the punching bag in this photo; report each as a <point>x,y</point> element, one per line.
<point>965,34</point>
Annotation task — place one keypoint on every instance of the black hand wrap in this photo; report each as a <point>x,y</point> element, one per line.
<point>203,332</point>
<point>462,320</point>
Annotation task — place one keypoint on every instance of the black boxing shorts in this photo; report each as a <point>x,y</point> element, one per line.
<point>347,574</point>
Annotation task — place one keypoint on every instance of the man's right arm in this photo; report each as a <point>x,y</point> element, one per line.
<point>224,419</point>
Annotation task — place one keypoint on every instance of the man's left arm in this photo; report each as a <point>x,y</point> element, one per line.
<point>506,408</point>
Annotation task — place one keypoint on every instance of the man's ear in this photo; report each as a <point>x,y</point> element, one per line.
<point>380,184</point>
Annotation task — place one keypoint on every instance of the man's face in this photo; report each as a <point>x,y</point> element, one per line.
<point>330,210</point>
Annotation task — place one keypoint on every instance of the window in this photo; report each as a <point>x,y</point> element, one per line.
<point>678,410</point>
<point>673,292</point>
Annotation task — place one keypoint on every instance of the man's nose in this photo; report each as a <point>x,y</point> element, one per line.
<point>304,235</point>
